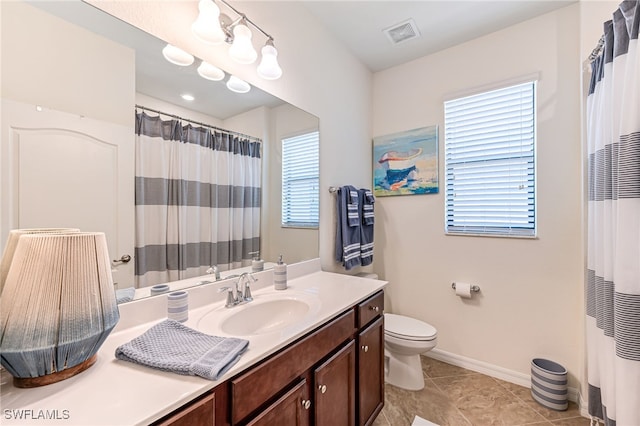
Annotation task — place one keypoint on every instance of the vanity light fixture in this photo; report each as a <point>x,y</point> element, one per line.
<point>57,308</point>
<point>210,72</point>
<point>177,56</point>
<point>211,23</point>
<point>207,26</point>
<point>241,49</point>
<point>236,85</point>
<point>269,68</point>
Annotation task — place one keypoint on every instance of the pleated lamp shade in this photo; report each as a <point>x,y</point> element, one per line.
<point>57,308</point>
<point>12,242</point>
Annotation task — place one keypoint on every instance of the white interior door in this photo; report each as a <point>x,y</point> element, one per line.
<point>64,170</point>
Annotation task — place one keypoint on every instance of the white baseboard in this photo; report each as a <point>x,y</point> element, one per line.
<point>497,372</point>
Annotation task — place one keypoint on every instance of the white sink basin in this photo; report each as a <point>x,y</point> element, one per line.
<point>266,314</point>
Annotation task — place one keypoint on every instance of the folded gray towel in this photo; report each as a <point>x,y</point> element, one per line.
<point>172,346</point>
<point>125,295</point>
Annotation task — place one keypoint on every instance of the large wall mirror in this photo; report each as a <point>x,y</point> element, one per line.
<point>158,88</point>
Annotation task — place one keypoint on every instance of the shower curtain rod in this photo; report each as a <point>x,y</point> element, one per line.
<point>596,50</point>
<point>144,108</point>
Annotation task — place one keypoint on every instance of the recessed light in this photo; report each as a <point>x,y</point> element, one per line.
<point>187,97</point>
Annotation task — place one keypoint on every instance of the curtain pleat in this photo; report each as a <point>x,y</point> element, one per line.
<point>613,241</point>
<point>197,200</point>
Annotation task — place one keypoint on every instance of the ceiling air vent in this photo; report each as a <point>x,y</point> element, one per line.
<point>402,32</point>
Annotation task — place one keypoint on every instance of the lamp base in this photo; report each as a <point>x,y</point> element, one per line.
<point>34,382</point>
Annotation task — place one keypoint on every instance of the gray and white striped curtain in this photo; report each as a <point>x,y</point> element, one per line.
<point>198,195</point>
<point>613,260</point>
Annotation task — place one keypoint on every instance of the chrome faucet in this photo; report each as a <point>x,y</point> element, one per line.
<point>239,293</point>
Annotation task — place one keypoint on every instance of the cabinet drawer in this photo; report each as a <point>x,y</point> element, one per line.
<point>370,309</point>
<point>253,389</point>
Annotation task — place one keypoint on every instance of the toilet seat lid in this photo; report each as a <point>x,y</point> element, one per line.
<point>408,328</point>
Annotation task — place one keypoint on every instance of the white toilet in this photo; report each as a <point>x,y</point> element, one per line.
<point>405,339</point>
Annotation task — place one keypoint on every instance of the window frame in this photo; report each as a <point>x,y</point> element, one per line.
<point>300,224</point>
<point>506,231</point>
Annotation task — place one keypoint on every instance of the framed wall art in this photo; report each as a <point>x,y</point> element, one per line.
<point>406,163</point>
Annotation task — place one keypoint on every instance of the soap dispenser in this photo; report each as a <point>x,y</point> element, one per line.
<point>257,264</point>
<point>280,275</point>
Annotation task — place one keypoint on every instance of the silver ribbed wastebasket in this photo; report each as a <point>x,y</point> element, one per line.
<point>549,384</point>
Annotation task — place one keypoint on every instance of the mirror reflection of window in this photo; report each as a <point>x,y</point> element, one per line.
<point>300,180</point>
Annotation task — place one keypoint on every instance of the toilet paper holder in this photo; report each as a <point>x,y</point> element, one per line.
<point>474,288</point>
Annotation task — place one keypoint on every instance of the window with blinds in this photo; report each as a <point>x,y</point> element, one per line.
<point>490,162</point>
<point>301,180</point>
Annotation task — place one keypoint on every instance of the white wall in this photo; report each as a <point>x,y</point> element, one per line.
<point>160,105</point>
<point>531,288</point>
<point>47,61</point>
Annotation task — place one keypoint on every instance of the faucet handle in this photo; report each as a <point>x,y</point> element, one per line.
<point>231,301</point>
<point>246,290</point>
<point>247,293</point>
<point>214,270</point>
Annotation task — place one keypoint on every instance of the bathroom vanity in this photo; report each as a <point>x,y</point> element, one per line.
<point>324,368</point>
<point>333,375</point>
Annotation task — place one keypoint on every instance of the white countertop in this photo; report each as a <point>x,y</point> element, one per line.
<point>115,392</point>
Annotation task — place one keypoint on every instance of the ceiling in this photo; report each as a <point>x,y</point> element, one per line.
<point>358,25</point>
<point>442,24</point>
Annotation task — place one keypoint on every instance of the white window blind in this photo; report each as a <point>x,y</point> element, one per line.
<point>490,162</point>
<point>300,180</point>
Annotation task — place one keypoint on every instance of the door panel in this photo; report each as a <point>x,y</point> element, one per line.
<point>290,410</point>
<point>64,170</point>
<point>371,371</point>
<point>334,389</point>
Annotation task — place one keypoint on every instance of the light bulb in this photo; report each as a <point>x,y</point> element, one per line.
<point>177,56</point>
<point>241,49</point>
<point>210,72</point>
<point>206,27</point>
<point>269,68</point>
<point>236,85</point>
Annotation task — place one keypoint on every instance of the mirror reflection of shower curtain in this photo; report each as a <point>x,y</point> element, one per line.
<point>613,247</point>
<point>198,195</point>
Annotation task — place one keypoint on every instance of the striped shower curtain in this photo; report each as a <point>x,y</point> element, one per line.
<point>197,203</point>
<point>613,254</point>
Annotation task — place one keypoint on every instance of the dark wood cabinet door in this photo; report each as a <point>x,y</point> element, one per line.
<point>292,409</point>
<point>198,413</point>
<point>334,389</point>
<point>371,372</point>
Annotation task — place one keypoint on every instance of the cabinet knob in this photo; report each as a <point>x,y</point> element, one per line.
<point>322,388</point>
<point>365,348</point>
<point>374,308</point>
<point>306,404</point>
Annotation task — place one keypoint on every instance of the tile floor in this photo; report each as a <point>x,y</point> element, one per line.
<point>459,397</point>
